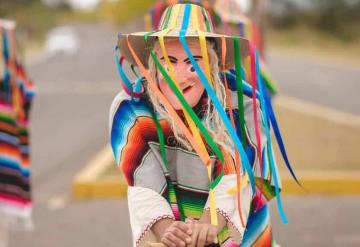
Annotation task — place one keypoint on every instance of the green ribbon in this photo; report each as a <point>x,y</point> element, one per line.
<point>217,180</point>
<point>164,158</point>
<point>240,93</point>
<point>269,83</point>
<point>167,18</point>
<point>208,28</point>
<point>188,109</point>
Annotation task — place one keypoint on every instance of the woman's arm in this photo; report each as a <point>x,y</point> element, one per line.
<point>205,218</point>
<point>160,227</point>
<point>172,233</point>
<point>203,233</point>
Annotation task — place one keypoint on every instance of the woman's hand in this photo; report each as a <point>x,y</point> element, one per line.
<point>202,233</point>
<point>178,234</point>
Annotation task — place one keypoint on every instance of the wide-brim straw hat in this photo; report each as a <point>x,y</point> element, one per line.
<point>171,25</point>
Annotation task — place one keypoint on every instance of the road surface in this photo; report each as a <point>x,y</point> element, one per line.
<point>70,124</point>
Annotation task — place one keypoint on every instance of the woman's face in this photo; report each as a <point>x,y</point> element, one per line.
<point>185,74</point>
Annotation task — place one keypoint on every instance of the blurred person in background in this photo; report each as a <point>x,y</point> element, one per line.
<point>16,94</point>
<point>245,18</point>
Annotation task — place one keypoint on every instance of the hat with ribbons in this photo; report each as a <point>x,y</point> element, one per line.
<point>183,22</point>
<point>186,20</point>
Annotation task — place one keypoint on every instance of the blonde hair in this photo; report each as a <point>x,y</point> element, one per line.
<point>211,120</point>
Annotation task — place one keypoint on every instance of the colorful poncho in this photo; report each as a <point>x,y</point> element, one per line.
<point>248,127</point>
<point>180,188</point>
<point>16,94</point>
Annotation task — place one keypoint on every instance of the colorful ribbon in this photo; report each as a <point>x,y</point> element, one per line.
<point>213,96</point>
<point>126,83</point>
<point>240,95</point>
<point>186,109</point>
<point>272,162</point>
<point>254,77</point>
<point>231,114</point>
<point>7,73</point>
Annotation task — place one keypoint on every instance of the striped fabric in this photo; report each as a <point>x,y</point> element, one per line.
<point>258,230</point>
<point>16,93</point>
<point>130,138</point>
<point>15,195</point>
<point>157,10</point>
<point>133,138</point>
<point>204,21</point>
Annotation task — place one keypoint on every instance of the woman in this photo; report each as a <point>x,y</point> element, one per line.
<point>173,144</point>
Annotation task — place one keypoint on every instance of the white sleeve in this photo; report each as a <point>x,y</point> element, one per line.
<point>226,205</point>
<point>146,207</point>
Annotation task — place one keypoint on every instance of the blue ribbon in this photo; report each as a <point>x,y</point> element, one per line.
<point>138,87</point>
<point>5,45</point>
<point>230,77</point>
<point>121,72</point>
<point>274,124</point>
<point>272,162</point>
<point>7,75</point>
<point>214,98</point>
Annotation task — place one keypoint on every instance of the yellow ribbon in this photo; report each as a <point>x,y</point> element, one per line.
<point>243,183</point>
<point>193,128</point>
<point>202,41</point>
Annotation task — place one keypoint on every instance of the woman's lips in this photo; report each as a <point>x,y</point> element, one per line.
<point>187,88</point>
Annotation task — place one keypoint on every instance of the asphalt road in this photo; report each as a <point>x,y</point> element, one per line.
<point>320,81</point>
<point>69,125</point>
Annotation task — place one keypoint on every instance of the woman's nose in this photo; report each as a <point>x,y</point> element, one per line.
<point>183,70</point>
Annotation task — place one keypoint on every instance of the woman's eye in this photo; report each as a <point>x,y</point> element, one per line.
<point>192,69</point>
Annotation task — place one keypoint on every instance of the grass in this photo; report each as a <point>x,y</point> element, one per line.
<point>311,41</point>
<point>34,19</point>
<point>331,28</point>
<point>123,11</point>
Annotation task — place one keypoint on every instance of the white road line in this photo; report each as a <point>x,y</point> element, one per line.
<point>57,202</point>
<point>318,111</point>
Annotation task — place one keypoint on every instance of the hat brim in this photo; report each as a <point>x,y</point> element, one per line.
<point>142,47</point>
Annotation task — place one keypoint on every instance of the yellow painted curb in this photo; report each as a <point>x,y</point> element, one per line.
<point>322,128</point>
<point>325,183</point>
<point>89,183</point>
<point>100,189</point>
